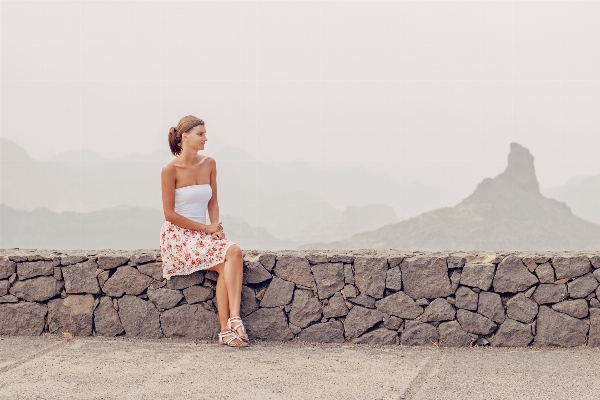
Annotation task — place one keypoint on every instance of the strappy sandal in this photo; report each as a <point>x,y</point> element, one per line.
<point>234,323</point>
<point>232,336</point>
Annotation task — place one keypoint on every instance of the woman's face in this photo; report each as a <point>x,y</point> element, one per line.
<point>196,137</point>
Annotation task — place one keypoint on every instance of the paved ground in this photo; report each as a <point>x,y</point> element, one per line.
<point>51,367</point>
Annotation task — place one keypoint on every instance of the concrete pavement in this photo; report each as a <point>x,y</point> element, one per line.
<point>52,367</point>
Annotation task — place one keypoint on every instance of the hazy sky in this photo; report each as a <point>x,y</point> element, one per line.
<point>432,92</point>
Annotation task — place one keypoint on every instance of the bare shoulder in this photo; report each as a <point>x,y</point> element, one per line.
<point>169,170</point>
<point>209,161</point>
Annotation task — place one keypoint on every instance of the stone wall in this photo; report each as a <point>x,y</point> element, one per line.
<point>368,296</point>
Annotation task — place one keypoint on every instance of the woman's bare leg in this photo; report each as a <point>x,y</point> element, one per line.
<point>229,287</point>
<point>233,274</point>
<point>222,302</point>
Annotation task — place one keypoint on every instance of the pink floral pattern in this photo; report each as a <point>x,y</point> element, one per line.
<point>184,251</point>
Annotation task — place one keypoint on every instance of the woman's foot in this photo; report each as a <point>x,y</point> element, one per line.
<point>235,324</point>
<point>231,339</point>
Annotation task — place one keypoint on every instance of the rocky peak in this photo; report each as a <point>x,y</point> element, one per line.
<point>519,174</point>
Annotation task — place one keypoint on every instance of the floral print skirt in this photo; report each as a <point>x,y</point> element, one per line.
<point>184,251</point>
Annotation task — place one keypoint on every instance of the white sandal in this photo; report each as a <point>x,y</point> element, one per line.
<point>238,324</point>
<point>232,336</point>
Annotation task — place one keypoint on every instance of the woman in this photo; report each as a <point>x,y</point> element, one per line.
<point>187,243</point>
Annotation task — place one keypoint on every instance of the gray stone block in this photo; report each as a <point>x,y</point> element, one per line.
<point>439,310</point>
<point>306,308</point>
<point>363,300</point>
<point>545,273</point>
<point>254,272</point>
<point>478,275</point>
<point>164,299</point>
<point>329,278</point>
<point>490,306</point>
<point>349,292</point>
<point>81,278</point>
<point>153,270</point>
<point>582,286</point>
<point>140,318</point>
<point>512,334</point>
<point>106,318</point>
<point>512,276</point>
<point>574,308</point>
<point>393,323</point>
<point>126,280</point>
<point>400,305</point>
<point>522,309</point>
<point>547,293</point>
<point>111,261</point>
<point>328,332</point>
<point>426,277</point>
<point>417,333</point>
<point>72,314</point>
<point>475,323</point>
<point>594,336</point>
<point>7,267</point>
<point>268,324</point>
<point>571,266</point>
<point>455,277</point>
<point>456,261</point>
<point>73,259</point>
<point>37,289</point>
<point>466,298</point>
<point>349,274</point>
<point>452,335</point>
<point>558,329</point>
<point>9,298</point>
<point>294,269</point>
<point>267,259</point>
<point>26,270</point>
<point>359,320</point>
<point>393,279</point>
<point>198,294</point>
<point>249,303</point>
<point>22,319</point>
<point>190,321</point>
<point>370,274</point>
<point>381,336</point>
<point>142,258</point>
<point>279,293</point>
<point>4,285</point>
<point>336,307</point>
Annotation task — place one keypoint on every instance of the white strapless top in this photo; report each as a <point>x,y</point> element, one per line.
<point>192,201</point>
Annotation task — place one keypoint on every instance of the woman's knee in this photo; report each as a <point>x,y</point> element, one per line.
<point>234,251</point>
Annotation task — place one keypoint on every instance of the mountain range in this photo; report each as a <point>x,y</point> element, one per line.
<point>582,194</point>
<point>289,200</point>
<point>507,212</point>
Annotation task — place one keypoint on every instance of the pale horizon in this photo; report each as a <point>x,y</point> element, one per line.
<point>428,92</point>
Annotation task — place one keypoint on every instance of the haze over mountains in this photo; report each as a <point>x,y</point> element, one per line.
<point>286,206</point>
<point>582,194</point>
<point>286,201</point>
<point>507,212</point>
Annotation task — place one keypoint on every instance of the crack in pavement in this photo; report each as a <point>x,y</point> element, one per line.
<point>29,358</point>
<point>430,368</point>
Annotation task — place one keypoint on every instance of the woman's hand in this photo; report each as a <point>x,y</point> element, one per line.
<point>218,235</point>
<point>214,227</point>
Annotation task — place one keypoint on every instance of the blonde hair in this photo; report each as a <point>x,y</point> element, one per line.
<point>185,124</point>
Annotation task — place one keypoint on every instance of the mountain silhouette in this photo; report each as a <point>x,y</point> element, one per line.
<point>507,212</point>
<point>582,194</point>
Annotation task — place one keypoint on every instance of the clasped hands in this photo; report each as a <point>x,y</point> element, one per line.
<point>215,229</point>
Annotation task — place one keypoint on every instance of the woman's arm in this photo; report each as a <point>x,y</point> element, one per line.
<point>168,198</point>
<point>213,203</point>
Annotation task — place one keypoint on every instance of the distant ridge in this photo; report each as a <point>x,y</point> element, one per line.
<point>507,212</point>
<point>120,227</point>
